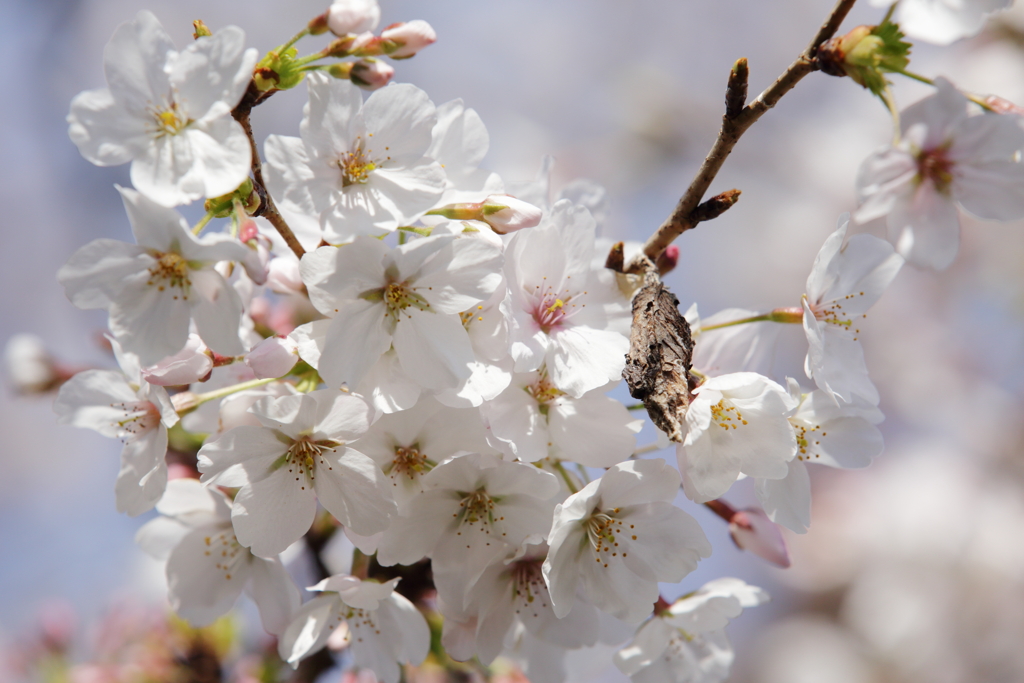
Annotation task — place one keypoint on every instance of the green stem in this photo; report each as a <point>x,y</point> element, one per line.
<point>636,406</point>
<point>583,473</point>
<point>198,227</point>
<point>792,314</point>
<point>423,232</point>
<point>234,388</point>
<point>294,39</point>
<point>890,103</point>
<point>565,475</point>
<point>977,99</point>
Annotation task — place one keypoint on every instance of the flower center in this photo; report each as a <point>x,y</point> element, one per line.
<point>226,552</point>
<point>170,270</point>
<point>139,418</point>
<point>303,456</point>
<point>602,529</point>
<point>832,313</point>
<point>356,166</point>
<point>726,415</point>
<point>935,166</point>
<point>806,440</point>
<point>410,462</point>
<point>528,584</point>
<point>169,121</point>
<point>552,309</point>
<point>473,314</point>
<point>543,392</point>
<point>476,507</point>
<point>397,296</point>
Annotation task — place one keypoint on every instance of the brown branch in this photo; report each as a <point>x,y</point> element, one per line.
<point>252,97</point>
<point>735,122</point>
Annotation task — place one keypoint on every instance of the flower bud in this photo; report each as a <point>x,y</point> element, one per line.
<point>865,53</point>
<point>200,29</point>
<point>371,73</point>
<point>273,357</point>
<point>751,530</point>
<point>410,37</point>
<point>506,214</point>
<point>353,16</point>
<point>318,25</point>
<point>668,260</point>
<point>30,367</point>
<point>189,365</point>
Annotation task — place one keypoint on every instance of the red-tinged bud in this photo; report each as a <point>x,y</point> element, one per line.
<point>353,16</point>
<point>371,74</point>
<point>1001,106</point>
<point>668,260</point>
<point>341,47</point>
<point>273,357</point>
<point>410,37</point>
<point>466,211</point>
<point>318,25</point>
<point>751,530</point>
<point>248,231</point>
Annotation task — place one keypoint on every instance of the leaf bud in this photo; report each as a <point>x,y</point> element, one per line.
<point>865,54</point>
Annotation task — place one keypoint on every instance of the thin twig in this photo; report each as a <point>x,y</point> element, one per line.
<point>241,113</point>
<point>733,127</point>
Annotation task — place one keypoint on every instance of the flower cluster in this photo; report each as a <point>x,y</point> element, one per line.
<point>381,341</point>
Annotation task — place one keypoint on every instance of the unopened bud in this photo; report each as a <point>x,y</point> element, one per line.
<point>189,365</point>
<point>865,53</point>
<point>318,25</point>
<point>340,47</point>
<point>1001,106</point>
<point>751,530</point>
<point>201,29</point>
<point>353,16</point>
<point>506,214</point>
<point>30,367</point>
<point>371,74</point>
<point>273,357</point>
<point>668,260</point>
<point>410,37</point>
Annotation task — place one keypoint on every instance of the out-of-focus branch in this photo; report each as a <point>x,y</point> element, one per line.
<point>252,97</point>
<point>738,118</point>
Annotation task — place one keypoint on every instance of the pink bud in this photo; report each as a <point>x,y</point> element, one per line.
<point>248,231</point>
<point>371,74</point>
<point>668,259</point>
<point>30,368</point>
<point>752,531</point>
<point>353,16</point>
<point>411,36</point>
<point>273,357</point>
<point>1001,106</point>
<point>505,213</point>
<point>189,365</point>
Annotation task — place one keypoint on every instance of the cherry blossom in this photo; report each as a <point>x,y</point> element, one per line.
<point>943,21</point>
<point>360,167</point>
<point>737,423</point>
<point>353,16</point>
<point>298,456</point>
<point>566,315</point>
<point>618,537</point>
<point>123,406</point>
<point>169,112</point>
<point>845,281</point>
<point>946,157</point>
<point>409,297</point>
<point>459,142</point>
<point>207,569</point>
<point>153,289</point>
<point>384,628</point>
<point>686,642</point>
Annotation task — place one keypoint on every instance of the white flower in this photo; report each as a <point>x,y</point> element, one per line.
<point>945,158</point>
<point>459,143</point>
<point>361,167</point>
<point>559,302</point>
<point>533,419</point>
<point>273,357</point>
<point>844,283</point>
<point>943,21</point>
<point>618,537</point>
<point>207,568</point>
<point>296,458</point>
<point>409,297</point>
<point>169,112</point>
<point>408,444</point>
<point>686,643</point>
<point>384,628</point>
<point>123,406</point>
<point>153,289</point>
<point>842,436</point>
<point>513,592</point>
<point>735,424</point>
<point>353,16</point>
<point>474,509</point>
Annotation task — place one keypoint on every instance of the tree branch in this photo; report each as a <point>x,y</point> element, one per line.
<point>241,113</point>
<point>735,122</point>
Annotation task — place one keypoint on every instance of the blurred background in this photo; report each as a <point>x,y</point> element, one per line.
<point>913,570</point>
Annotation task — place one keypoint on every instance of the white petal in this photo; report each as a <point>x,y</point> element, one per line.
<point>310,628</point>
<point>274,593</point>
<point>271,514</point>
